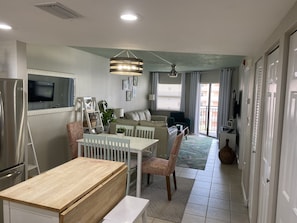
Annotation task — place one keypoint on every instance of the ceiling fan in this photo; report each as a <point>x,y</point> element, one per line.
<point>173,73</point>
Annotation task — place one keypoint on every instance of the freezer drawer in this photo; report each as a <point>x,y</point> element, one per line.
<point>9,178</point>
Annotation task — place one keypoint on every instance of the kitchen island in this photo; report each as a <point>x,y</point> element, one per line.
<point>81,190</point>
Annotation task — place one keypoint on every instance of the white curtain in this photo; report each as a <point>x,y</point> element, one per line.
<point>194,100</point>
<point>183,92</point>
<point>224,97</point>
<point>155,81</point>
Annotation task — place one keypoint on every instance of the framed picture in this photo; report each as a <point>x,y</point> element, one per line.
<point>125,85</point>
<point>130,80</point>
<point>135,80</point>
<point>128,95</point>
<point>134,92</point>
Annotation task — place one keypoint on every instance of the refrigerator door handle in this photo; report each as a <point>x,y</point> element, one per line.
<point>1,119</point>
<point>9,175</point>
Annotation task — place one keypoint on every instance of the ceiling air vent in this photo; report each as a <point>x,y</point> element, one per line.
<point>59,10</point>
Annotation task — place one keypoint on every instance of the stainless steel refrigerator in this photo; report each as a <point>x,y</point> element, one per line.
<point>12,134</point>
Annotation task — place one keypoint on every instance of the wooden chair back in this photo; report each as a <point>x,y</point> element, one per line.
<point>174,152</point>
<point>75,131</point>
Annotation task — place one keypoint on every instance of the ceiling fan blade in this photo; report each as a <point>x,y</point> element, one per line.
<point>173,72</point>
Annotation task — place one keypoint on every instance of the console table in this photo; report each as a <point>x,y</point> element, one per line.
<point>81,190</point>
<point>231,135</point>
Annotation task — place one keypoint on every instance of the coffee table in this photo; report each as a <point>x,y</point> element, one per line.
<point>186,130</point>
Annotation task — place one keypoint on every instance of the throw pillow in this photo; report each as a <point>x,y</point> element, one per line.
<point>148,116</point>
<point>132,116</point>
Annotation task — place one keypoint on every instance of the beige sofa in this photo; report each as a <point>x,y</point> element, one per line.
<point>145,115</point>
<point>165,135</point>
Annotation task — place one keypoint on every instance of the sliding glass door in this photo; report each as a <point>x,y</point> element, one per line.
<point>208,111</point>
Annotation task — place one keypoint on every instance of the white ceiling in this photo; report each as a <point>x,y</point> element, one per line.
<point>194,34</point>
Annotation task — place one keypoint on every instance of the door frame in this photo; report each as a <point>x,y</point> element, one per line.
<point>256,154</point>
<point>279,112</point>
<point>285,73</point>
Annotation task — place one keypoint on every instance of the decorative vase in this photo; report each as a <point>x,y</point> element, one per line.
<point>106,128</point>
<point>226,154</point>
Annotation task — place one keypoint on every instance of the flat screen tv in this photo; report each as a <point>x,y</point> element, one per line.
<point>40,91</point>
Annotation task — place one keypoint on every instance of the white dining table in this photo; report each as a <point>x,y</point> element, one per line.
<point>138,146</point>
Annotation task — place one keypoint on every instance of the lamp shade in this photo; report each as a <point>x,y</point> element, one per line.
<point>118,112</point>
<point>126,66</point>
<point>152,97</point>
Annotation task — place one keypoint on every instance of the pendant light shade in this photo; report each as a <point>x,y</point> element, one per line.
<point>126,66</point>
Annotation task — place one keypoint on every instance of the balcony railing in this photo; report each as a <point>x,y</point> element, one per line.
<point>208,120</point>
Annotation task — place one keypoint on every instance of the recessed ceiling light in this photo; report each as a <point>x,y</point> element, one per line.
<point>4,26</point>
<point>129,17</point>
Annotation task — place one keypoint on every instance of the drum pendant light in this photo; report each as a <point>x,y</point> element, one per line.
<point>131,66</point>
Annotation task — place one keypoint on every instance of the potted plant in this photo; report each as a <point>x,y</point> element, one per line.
<point>106,114</point>
<point>121,131</point>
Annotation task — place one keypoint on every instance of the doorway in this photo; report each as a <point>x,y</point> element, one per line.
<point>208,110</point>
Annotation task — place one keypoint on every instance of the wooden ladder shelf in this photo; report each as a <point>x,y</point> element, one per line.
<point>32,165</point>
<point>87,110</point>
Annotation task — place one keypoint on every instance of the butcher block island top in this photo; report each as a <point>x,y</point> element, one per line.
<point>62,186</point>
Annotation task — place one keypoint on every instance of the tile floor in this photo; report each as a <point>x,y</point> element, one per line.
<point>216,195</point>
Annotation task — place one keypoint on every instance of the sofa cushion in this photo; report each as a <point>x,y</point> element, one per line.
<point>153,123</point>
<point>138,115</point>
<point>126,121</point>
<point>147,115</point>
<point>141,115</point>
<point>132,116</point>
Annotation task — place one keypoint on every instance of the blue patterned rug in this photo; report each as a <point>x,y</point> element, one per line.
<point>194,152</point>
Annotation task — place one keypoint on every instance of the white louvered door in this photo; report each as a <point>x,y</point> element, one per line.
<point>267,172</point>
<point>287,192</point>
<point>256,143</point>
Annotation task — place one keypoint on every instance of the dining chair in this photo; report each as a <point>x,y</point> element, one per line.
<point>94,146</point>
<point>75,131</point>
<point>145,132</point>
<point>129,129</point>
<point>148,133</point>
<point>119,150</point>
<point>164,167</point>
<point>109,148</point>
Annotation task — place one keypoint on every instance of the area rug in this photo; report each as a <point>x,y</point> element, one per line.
<point>194,152</point>
<point>159,206</point>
